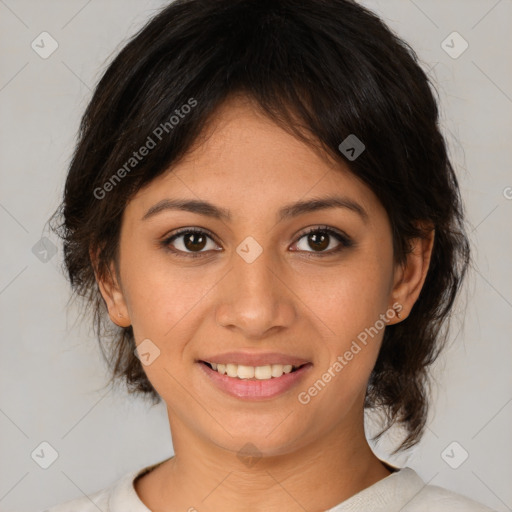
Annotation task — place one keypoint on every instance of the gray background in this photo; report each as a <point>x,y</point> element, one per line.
<point>52,375</point>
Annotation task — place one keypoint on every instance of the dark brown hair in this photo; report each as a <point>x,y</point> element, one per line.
<point>323,69</point>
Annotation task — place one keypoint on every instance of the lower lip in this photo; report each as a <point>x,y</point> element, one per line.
<point>253,389</point>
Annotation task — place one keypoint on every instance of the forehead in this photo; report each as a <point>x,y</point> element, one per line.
<point>244,160</point>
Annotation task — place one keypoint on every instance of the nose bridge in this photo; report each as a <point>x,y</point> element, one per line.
<point>254,300</point>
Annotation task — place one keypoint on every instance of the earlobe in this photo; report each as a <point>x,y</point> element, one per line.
<point>112,295</point>
<point>410,276</point>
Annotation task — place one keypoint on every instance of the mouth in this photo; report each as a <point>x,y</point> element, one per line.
<point>244,372</point>
<point>262,382</point>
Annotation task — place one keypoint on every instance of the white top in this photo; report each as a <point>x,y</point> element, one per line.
<point>402,491</point>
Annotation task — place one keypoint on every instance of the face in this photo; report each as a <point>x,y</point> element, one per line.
<point>256,286</point>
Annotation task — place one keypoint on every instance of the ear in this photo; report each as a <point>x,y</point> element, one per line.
<point>410,276</point>
<point>112,294</point>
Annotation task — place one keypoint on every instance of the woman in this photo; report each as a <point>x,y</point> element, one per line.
<point>262,203</point>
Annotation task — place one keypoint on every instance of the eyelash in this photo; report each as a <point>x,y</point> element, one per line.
<point>345,241</point>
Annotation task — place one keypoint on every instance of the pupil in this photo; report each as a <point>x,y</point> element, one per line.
<point>195,241</point>
<point>318,241</point>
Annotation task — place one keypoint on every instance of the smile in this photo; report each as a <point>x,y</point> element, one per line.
<point>240,371</point>
<point>262,382</point>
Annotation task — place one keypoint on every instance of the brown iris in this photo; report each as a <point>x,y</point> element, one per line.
<point>194,241</point>
<point>318,241</point>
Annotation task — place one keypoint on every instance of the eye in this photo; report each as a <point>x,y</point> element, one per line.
<point>323,240</point>
<point>195,242</point>
<point>190,242</point>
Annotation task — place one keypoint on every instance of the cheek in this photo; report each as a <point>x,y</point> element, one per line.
<point>166,304</point>
<point>161,297</point>
<point>352,297</point>
<point>352,301</point>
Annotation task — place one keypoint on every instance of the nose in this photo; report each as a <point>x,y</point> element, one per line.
<point>254,298</point>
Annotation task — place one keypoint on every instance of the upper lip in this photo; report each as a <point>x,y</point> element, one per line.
<point>260,359</point>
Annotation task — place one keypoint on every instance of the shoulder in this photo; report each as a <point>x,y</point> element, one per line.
<point>405,491</point>
<point>92,503</point>
<point>436,498</point>
<point>117,497</point>
<point>426,498</point>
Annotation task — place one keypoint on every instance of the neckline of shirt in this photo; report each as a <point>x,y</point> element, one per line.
<point>398,488</point>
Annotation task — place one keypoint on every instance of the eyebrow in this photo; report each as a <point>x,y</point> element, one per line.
<point>286,212</point>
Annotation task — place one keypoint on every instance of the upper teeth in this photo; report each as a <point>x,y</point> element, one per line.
<point>250,372</point>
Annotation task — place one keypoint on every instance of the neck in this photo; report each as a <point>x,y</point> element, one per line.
<point>202,476</point>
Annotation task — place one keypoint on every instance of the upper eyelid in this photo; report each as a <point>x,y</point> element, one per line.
<point>312,229</point>
<point>184,231</point>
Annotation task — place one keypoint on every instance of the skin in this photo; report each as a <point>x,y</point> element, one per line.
<point>312,456</point>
